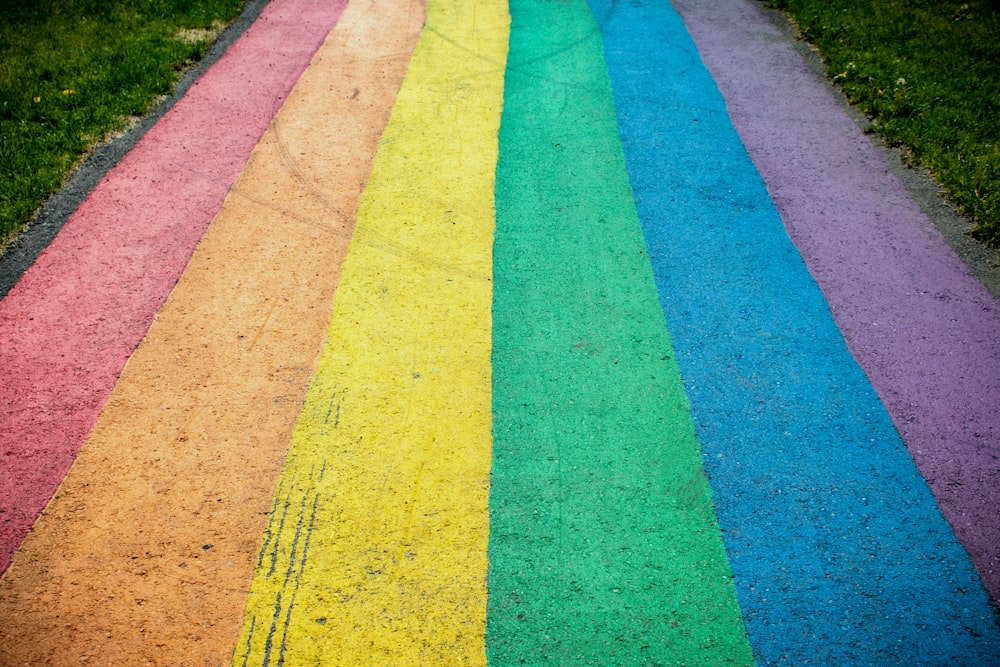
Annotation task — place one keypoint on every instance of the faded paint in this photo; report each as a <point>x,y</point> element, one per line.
<point>375,552</point>
<point>147,550</point>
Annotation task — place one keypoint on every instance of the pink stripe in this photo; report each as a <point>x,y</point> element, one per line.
<point>68,327</point>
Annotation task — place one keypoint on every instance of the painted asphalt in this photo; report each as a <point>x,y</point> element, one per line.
<point>78,313</point>
<point>508,333</point>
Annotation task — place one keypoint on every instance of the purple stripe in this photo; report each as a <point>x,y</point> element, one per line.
<point>925,331</point>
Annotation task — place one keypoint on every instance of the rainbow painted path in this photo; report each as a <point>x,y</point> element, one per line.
<point>539,332</point>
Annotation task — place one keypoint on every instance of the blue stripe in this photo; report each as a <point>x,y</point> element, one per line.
<point>839,552</point>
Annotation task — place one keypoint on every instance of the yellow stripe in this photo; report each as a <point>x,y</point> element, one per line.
<point>376,548</point>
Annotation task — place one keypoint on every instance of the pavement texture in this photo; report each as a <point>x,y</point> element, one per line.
<point>506,332</point>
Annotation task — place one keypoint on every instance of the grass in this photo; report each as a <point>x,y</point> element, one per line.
<point>73,71</point>
<point>927,74</point>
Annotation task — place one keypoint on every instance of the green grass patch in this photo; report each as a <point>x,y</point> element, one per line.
<point>927,74</point>
<point>73,71</point>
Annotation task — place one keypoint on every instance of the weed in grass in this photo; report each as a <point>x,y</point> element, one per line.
<point>72,71</point>
<point>927,73</point>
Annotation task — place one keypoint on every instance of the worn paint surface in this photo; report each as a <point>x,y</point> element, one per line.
<point>146,552</point>
<point>839,552</point>
<point>603,541</point>
<point>604,547</point>
<point>919,323</point>
<point>72,321</point>
<point>376,547</point>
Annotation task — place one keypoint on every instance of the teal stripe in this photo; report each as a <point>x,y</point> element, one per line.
<point>604,547</point>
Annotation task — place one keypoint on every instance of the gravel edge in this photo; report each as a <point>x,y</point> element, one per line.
<point>20,253</point>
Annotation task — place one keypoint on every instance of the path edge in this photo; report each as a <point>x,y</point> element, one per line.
<point>925,190</point>
<point>20,252</point>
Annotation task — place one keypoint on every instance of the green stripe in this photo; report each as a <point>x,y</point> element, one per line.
<point>604,547</point>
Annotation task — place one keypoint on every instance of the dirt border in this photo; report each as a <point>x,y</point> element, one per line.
<point>926,191</point>
<point>19,253</point>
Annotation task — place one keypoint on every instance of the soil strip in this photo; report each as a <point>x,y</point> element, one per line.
<point>22,251</point>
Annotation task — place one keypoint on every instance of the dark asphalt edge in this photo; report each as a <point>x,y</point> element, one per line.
<point>17,256</point>
<point>982,261</point>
